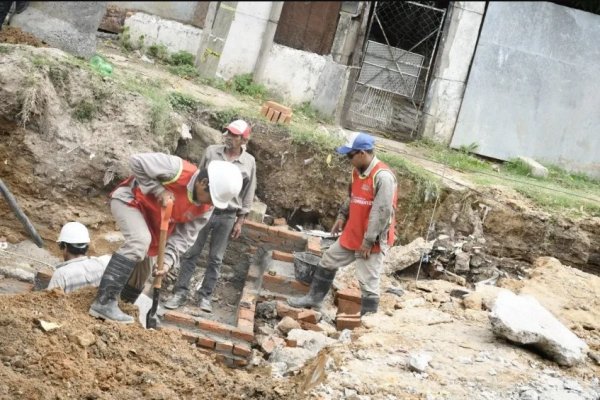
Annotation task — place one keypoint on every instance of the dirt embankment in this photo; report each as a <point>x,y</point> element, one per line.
<point>67,134</point>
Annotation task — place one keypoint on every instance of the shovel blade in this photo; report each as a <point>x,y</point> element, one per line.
<point>151,317</point>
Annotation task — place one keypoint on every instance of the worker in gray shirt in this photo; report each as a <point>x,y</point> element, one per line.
<point>77,270</point>
<point>366,222</point>
<point>136,205</point>
<point>224,224</point>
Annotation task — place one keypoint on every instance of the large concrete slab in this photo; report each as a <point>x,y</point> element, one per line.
<point>533,87</point>
<point>70,26</point>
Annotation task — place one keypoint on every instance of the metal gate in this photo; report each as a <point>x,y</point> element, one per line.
<point>395,67</point>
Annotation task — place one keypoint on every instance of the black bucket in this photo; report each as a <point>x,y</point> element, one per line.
<point>304,266</point>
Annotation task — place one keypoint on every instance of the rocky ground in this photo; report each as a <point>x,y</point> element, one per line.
<point>60,165</point>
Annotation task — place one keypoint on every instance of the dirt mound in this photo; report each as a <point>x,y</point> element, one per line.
<point>87,358</point>
<point>12,35</point>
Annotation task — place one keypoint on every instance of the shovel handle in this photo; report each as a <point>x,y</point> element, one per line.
<point>165,216</point>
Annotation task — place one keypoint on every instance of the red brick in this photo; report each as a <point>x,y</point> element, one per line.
<point>206,342</point>
<point>274,279</point>
<point>300,286</point>
<point>276,115</point>
<point>244,324</point>
<point>226,347</point>
<point>346,323</point>
<point>279,221</point>
<point>179,318</point>
<point>242,350</point>
<point>278,107</point>
<point>206,352</point>
<point>221,358</point>
<point>282,256</point>
<point>309,316</point>
<point>263,110</point>
<point>347,306</point>
<point>240,363</point>
<point>287,119</point>
<point>256,226</point>
<point>292,235</point>
<point>349,294</point>
<point>189,336</point>
<point>212,326</point>
<point>283,310</point>
<point>310,327</point>
<point>244,313</point>
<point>313,245</point>
<point>291,343</point>
<point>243,334</point>
<point>270,114</point>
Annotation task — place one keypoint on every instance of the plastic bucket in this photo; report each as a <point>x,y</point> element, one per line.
<point>304,266</point>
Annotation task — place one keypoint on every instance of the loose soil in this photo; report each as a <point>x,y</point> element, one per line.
<point>85,358</point>
<point>12,35</point>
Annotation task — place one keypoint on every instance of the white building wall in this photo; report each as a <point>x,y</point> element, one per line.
<point>175,35</point>
<point>244,40</point>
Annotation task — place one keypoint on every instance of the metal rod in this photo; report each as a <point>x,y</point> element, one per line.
<point>27,257</point>
<point>14,206</point>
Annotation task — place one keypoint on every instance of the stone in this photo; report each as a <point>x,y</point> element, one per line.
<point>287,324</point>
<point>85,339</point>
<point>70,26</point>
<point>293,357</point>
<point>523,320</point>
<point>257,212</point>
<point>536,169</point>
<point>461,262</point>
<point>271,343</point>
<point>402,257</point>
<point>310,340</point>
<point>266,310</point>
<point>473,301</point>
<point>23,273</point>
<point>528,394</point>
<point>418,362</point>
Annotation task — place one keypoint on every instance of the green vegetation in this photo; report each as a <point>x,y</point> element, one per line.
<point>5,49</point>
<point>462,159</point>
<point>158,52</point>
<point>183,102</point>
<point>311,136</point>
<point>182,58</point>
<point>85,111</point>
<point>184,71</point>
<point>125,40</point>
<point>428,186</point>
<point>244,84</point>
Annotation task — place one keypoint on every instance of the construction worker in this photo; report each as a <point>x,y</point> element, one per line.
<point>77,270</point>
<point>366,222</point>
<point>136,206</point>
<point>223,224</point>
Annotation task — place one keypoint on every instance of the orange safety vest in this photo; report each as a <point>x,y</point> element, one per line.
<point>362,194</point>
<point>184,209</point>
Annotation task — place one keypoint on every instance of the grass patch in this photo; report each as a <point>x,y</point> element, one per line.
<point>183,102</point>
<point>6,49</point>
<point>462,159</point>
<point>244,84</point>
<point>158,52</point>
<point>308,136</point>
<point>182,58</point>
<point>428,186</point>
<point>184,71</point>
<point>85,111</point>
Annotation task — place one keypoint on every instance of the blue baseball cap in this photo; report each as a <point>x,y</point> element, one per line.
<point>357,141</point>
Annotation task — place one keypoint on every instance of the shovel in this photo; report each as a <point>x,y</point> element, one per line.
<point>165,216</point>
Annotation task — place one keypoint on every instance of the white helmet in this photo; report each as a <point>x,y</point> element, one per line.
<point>224,182</point>
<point>74,233</point>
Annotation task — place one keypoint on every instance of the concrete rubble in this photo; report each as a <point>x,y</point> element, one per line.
<point>523,320</point>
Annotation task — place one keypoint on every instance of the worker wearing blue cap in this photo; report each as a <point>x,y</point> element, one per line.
<point>366,222</point>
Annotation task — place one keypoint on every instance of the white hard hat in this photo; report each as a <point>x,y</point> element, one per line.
<point>224,182</point>
<point>74,233</point>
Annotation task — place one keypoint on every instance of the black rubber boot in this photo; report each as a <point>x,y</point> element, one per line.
<point>129,294</point>
<point>319,287</point>
<point>114,279</point>
<point>369,305</point>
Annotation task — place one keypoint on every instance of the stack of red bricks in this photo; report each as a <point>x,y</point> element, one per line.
<point>275,112</point>
<point>306,318</point>
<point>348,303</point>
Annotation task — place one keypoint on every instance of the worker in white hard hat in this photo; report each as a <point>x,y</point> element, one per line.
<point>136,206</point>
<point>225,223</point>
<point>77,270</point>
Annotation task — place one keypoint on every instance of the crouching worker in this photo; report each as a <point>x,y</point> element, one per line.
<point>136,206</point>
<point>77,270</point>
<point>366,220</point>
